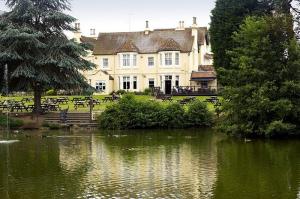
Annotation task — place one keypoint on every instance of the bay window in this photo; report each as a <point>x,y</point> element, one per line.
<point>176,59</point>
<point>168,59</point>
<point>171,58</point>
<point>128,59</point>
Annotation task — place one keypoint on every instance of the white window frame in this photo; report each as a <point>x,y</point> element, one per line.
<point>169,58</point>
<point>151,62</point>
<point>128,60</point>
<point>101,84</point>
<point>105,62</point>
<point>177,80</point>
<point>134,83</point>
<point>151,79</point>
<point>126,80</point>
<point>177,58</point>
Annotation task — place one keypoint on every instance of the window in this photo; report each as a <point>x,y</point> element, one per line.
<point>100,86</point>
<point>168,59</point>
<point>176,59</point>
<point>126,82</point>
<point>134,60</point>
<point>177,81</point>
<point>151,83</point>
<point>150,61</point>
<point>161,59</point>
<point>204,84</point>
<point>126,59</point>
<point>104,62</point>
<point>134,82</point>
<point>168,77</point>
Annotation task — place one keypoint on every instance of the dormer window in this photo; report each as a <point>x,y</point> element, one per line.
<point>128,60</point>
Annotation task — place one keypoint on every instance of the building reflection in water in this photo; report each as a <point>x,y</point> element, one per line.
<point>142,166</point>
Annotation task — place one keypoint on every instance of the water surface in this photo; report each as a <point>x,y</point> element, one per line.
<point>148,164</point>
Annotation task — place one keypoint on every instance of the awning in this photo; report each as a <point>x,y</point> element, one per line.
<point>202,79</point>
<point>203,76</point>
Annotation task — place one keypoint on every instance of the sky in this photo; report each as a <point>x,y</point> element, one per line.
<point>130,15</point>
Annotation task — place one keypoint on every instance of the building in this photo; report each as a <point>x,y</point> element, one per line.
<point>178,61</point>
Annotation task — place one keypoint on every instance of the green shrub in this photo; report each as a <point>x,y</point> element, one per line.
<point>279,128</point>
<point>51,92</point>
<point>130,113</point>
<point>122,92</point>
<point>173,116</point>
<point>147,91</point>
<point>198,114</point>
<point>13,123</point>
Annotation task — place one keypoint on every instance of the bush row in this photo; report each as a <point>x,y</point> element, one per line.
<point>130,113</point>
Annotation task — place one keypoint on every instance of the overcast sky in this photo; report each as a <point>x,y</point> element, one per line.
<point>130,15</point>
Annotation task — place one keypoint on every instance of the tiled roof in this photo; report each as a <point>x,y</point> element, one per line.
<point>88,40</point>
<point>169,44</point>
<point>182,40</point>
<point>198,75</point>
<point>128,46</point>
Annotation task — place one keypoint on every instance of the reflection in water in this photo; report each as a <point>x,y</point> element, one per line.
<point>177,164</point>
<point>133,166</point>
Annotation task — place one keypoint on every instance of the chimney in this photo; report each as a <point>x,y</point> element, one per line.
<point>181,25</point>
<point>92,31</point>
<point>195,22</point>
<point>147,29</point>
<point>77,33</point>
<point>77,27</point>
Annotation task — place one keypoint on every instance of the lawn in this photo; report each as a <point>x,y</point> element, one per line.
<point>102,105</point>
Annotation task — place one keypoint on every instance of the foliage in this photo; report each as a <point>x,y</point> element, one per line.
<point>130,113</point>
<point>225,20</point>
<point>13,123</point>
<point>147,91</point>
<point>199,115</point>
<point>263,93</point>
<point>51,92</point>
<point>38,53</point>
<point>173,116</point>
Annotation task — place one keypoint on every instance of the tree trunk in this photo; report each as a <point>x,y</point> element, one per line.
<point>37,99</point>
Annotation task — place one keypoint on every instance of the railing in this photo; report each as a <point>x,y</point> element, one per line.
<point>194,91</point>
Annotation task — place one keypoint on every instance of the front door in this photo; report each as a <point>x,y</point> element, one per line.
<point>168,86</point>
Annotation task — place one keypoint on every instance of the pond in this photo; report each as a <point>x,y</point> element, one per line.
<point>148,164</point>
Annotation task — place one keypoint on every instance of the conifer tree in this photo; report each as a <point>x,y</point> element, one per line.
<point>226,18</point>
<point>35,48</point>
